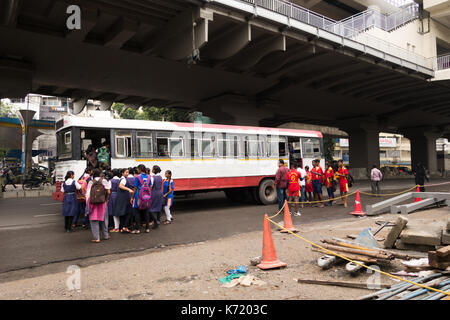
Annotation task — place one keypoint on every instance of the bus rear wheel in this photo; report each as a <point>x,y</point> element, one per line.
<point>267,193</point>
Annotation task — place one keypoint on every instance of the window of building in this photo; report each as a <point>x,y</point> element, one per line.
<point>311,148</point>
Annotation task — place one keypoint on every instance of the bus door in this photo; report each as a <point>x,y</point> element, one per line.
<point>294,148</point>
<point>312,149</point>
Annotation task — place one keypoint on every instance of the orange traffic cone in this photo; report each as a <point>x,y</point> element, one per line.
<point>269,256</point>
<point>417,190</point>
<point>358,209</point>
<point>287,224</point>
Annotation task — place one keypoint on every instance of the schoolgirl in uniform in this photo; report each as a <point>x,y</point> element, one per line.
<point>114,189</point>
<point>168,188</point>
<point>122,205</point>
<point>70,202</point>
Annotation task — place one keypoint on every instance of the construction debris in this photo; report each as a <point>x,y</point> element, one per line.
<point>400,224</point>
<point>339,283</point>
<point>440,259</point>
<point>422,233</point>
<point>245,281</point>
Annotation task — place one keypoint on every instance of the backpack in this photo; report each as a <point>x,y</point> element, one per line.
<point>350,181</point>
<point>103,155</point>
<point>98,192</point>
<point>144,197</point>
<point>81,194</point>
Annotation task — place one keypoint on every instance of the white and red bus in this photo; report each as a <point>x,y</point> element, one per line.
<point>239,160</point>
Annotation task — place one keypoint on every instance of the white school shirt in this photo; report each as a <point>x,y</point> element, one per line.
<point>303,173</point>
<point>106,184</point>
<point>69,182</point>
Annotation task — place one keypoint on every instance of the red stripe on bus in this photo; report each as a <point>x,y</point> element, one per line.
<point>199,184</point>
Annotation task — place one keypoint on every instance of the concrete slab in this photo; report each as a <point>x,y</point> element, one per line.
<point>445,237</point>
<point>396,230</point>
<point>399,244</point>
<point>410,207</point>
<point>385,205</point>
<point>422,234</point>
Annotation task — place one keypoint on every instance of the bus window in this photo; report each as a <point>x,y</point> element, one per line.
<point>123,144</point>
<point>176,146</point>
<point>207,148</point>
<point>311,148</point>
<point>251,147</point>
<point>162,143</point>
<point>276,147</point>
<point>64,140</point>
<point>144,144</point>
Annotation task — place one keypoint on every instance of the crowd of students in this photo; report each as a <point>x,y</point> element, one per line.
<point>298,185</point>
<point>119,200</point>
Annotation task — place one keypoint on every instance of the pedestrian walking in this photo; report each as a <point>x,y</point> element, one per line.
<point>317,178</point>
<point>81,198</point>
<point>122,206</point>
<point>168,187</point>
<point>420,176</point>
<point>9,179</point>
<point>112,200</point>
<point>157,196</point>
<point>281,183</point>
<point>70,204</point>
<point>97,195</point>
<point>375,177</point>
<point>329,179</point>
<point>294,186</point>
<point>343,181</point>
<point>141,199</point>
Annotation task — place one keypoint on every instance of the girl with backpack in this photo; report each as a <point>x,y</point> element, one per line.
<point>112,200</point>
<point>168,196</point>
<point>157,196</point>
<point>81,197</point>
<point>141,199</point>
<point>97,196</point>
<point>70,203</point>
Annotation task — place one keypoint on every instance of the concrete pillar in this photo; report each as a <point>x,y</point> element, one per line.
<point>26,116</point>
<point>423,148</point>
<point>364,146</point>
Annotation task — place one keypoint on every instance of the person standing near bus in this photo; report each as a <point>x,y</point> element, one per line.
<point>317,177</point>
<point>112,200</point>
<point>91,157</point>
<point>103,155</point>
<point>308,185</point>
<point>302,185</point>
<point>329,177</point>
<point>343,181</point>
<point>168,188</point>
<point>157,196</point>
<point>70,202</point>
<point>141,180</point>
<point>293,177</point>
<point>97,196</point>
<point>122,206</point>
<point>281,183</point>
<point>81,197</point>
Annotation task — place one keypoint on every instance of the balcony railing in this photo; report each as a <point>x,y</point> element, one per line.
<point>442,62</point>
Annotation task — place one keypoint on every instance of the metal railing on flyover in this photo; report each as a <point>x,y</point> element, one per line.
<point>296,12</point>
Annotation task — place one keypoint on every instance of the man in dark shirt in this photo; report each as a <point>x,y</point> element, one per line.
<point>281,183</point>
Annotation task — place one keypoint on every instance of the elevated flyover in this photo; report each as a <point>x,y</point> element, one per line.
<point>240,61</point>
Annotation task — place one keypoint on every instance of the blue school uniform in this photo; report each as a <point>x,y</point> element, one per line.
<point>70,203</point>
<point>113,197</point>
<point>169,198</point>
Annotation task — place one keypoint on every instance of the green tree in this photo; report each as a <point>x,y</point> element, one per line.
<point>7,110</point>
<point>152,113</point>
<point>329,145</point>
<point>124,113</point>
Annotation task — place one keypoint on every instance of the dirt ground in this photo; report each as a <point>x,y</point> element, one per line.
<point>193,271</point>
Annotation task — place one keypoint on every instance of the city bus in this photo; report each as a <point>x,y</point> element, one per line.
<point>239,160</point>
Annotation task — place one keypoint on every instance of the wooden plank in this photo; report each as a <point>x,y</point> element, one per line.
<point>359,252</point>
<point>341,284</point>
<point>350,256</point>
<point>443,252</point>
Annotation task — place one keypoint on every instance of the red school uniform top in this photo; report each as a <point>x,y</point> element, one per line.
<point>294,179</point>
<point>343,171</point>
<point>329,176</point>
<point>319,176</point>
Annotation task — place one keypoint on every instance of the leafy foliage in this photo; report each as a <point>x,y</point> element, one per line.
<point>152,113</point>
<point>7,110</point>
<point>329,146</point>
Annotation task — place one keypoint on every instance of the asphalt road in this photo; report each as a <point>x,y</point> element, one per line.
<point>32,229</point>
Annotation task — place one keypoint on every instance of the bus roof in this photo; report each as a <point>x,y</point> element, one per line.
<point>89,122</point>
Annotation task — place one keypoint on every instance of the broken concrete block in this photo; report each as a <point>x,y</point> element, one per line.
<point>395,232</point>
<point>445,237</point>
<point>448,224</point>
<point>423,234</point>
<point>399,244</point>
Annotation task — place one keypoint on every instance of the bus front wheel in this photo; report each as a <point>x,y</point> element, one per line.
<point>267,193</point>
